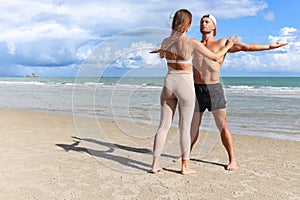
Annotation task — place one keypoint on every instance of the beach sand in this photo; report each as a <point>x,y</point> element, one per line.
<point>52,156</point>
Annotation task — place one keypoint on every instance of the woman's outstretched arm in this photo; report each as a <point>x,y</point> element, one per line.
<point>198,46</point>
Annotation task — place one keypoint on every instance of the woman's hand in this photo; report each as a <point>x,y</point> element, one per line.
<point>158,50</point>
<point>231,40</point>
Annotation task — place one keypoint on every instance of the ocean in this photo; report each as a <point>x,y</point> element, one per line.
<point>263,106</point>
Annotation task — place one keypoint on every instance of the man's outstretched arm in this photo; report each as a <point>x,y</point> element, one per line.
<point>240,46</point>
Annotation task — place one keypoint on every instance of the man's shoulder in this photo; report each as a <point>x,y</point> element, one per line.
<point>222,40</point>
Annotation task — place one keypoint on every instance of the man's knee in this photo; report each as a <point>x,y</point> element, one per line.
<point>222,125</point>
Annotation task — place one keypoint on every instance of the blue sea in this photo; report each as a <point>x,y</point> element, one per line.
<point>264,106</point>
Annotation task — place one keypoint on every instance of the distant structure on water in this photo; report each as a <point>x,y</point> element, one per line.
<point>33,75</point>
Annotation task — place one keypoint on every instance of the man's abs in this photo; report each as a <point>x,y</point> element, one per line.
<point>205,76</point>
<point>206,71</point>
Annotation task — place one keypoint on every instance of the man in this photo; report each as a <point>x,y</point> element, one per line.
<point>209,91</point>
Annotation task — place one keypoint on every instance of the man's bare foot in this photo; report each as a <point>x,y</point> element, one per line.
<point>232,166</point>
<point>186,171</point>
<point>178,159</point>
<point>154,171</point>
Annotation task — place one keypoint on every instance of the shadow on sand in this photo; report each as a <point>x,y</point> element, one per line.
<point>208,162</point>
<point>122,160</point>
<point>108,154</point>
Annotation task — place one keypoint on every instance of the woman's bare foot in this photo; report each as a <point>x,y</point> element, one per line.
<point>155,165</point>
<point>186,171</point>
<point>232,166</point>
<point>154,171</point>
<point>185,168</point>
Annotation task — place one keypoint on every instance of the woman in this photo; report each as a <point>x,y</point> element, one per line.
<point>179,86</point>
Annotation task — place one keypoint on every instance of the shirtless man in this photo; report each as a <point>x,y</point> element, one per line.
<point>209,91</point>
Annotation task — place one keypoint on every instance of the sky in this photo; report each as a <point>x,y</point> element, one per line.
<point>113,38</point>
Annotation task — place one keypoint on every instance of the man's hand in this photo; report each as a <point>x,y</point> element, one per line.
<point>277,44</point>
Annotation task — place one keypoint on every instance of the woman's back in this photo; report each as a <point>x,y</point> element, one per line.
<point>177,52</point>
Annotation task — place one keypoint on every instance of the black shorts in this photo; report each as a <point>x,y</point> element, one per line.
<point>209,97</point>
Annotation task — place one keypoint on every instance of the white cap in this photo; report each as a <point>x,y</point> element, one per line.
<point>211,17</point>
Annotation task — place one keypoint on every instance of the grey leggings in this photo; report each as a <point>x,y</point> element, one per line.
<point>178,87</point>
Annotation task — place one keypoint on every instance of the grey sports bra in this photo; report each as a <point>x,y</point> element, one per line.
<point>189,61</point>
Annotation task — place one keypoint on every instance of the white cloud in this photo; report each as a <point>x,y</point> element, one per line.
<point>286,58</point>
<point>290,35</point>
<point>289,59</point>
<point>244,61</point>
<point>136,56</point>
<point>286,34</point>
<point>288,31</point>
<point>235,9</point>
<point>61,33</point>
